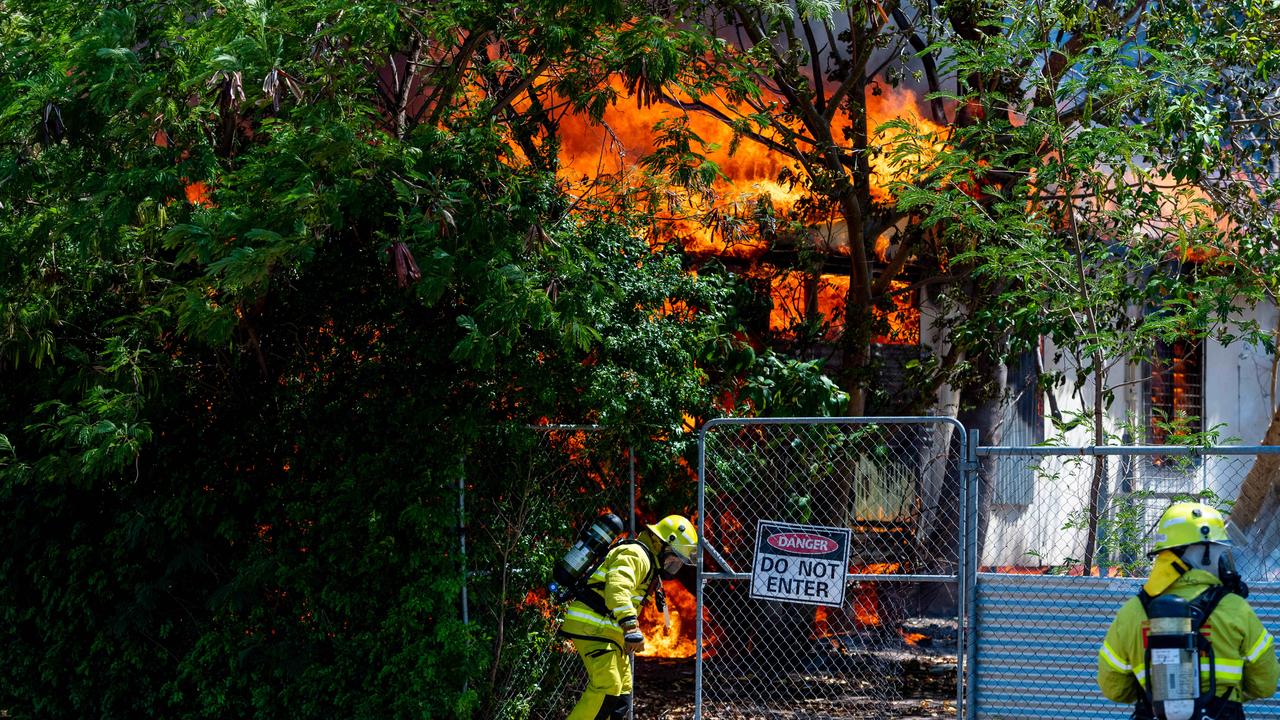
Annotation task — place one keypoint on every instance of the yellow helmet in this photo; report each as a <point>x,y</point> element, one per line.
<point>1188,523</point>
<point>677,531</point>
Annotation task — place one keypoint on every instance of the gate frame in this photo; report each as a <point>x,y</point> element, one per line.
<point>967,465</point>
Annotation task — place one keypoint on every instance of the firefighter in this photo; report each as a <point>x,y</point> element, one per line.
<point>603,619</point>
<point>1193,571</point>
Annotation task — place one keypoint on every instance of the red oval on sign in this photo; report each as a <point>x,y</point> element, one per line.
<point>804,543</point>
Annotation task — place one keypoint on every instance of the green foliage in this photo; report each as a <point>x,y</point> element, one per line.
<point>252,341</point>
<point>1092,191</point>
<point>786,387</point>
<point>1125,535</point>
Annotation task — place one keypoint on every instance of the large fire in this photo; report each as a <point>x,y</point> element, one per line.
<point>792,291</point>
<point>603,161</point>
<point>678,640</point>
<point>749,171</point>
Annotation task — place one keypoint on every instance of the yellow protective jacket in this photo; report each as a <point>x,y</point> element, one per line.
<point>613,594</point>
<point>1245,658</point>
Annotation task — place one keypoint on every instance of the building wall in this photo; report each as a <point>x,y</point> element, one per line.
<point>1027,524</point>
<point>1238,385</point>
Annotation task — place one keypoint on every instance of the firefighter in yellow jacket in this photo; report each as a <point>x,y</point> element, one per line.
<point>603,620</point>
<point>1192,562</point>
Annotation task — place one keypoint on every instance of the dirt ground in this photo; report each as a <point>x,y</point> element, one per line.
<point>922,688</point>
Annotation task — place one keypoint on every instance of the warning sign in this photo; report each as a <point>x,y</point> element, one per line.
<point>800,563</point>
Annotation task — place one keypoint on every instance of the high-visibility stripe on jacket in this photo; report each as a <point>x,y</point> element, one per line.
<point>1244,651</point>
<point>622,581</point>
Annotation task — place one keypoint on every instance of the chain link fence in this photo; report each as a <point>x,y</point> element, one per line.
<point>561,476</point>
<point>1053,568</point>
<point>889,649</point>
<point>979,584</point>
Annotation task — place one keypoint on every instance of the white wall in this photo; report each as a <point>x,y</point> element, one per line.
<point>1237,394</point>
<point>1237,385</point>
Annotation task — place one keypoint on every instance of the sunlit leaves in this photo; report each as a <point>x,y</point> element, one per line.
<point>1098,176</point>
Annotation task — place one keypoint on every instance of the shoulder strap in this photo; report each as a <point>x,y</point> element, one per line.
<point>654,584</point>
<point>592,594</point>
<point>653,562</point>
<point>1206,602</point>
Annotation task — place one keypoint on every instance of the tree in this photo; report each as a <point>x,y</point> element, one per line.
<point>1088,183</point>
<point>795,79</point>
<point>277,278</point>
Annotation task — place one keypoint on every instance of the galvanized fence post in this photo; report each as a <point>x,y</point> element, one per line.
<point>967,600</point>
<point>701,581</point>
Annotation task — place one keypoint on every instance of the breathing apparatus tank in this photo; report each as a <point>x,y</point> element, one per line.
<point>1173,658</point>
<point>583,556</point>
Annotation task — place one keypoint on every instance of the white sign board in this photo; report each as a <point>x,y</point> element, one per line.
<point>800,563</point>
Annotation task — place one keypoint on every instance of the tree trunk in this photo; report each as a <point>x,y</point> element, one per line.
<point>938,505</point>
<point>988,419</point>
<point>1262,478</point>
<point>1099,465</point>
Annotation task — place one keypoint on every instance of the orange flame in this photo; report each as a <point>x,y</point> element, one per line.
<point>791,292</point>
<point>866,601</point>
<point>678,640</point>
<point>822,623</point>
<point>730,530</point>
<point>537,600</point>
<point>749,172</point>
<point>864,604</point>
<point>898,104</point>
<point>910,637</point>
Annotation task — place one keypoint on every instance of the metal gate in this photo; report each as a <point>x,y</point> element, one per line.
<point>900,485</point>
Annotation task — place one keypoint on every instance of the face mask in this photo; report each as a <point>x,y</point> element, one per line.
<point>1226,564</point>
<point>1229,576</point>
<point>671,564</point>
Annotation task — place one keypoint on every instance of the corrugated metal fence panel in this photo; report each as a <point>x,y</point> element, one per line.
<point>1038,638</point>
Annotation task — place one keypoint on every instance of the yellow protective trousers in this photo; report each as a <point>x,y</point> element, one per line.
<point>608,693</point>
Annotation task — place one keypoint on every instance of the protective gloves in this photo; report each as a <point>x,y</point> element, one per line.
<point>633,639</point>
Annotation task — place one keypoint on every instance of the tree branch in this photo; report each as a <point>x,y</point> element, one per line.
<point>510,95</point>
<point>819,92</point>
<point>439,99</point>
<point>930,66</point>
<point>404,84</point>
